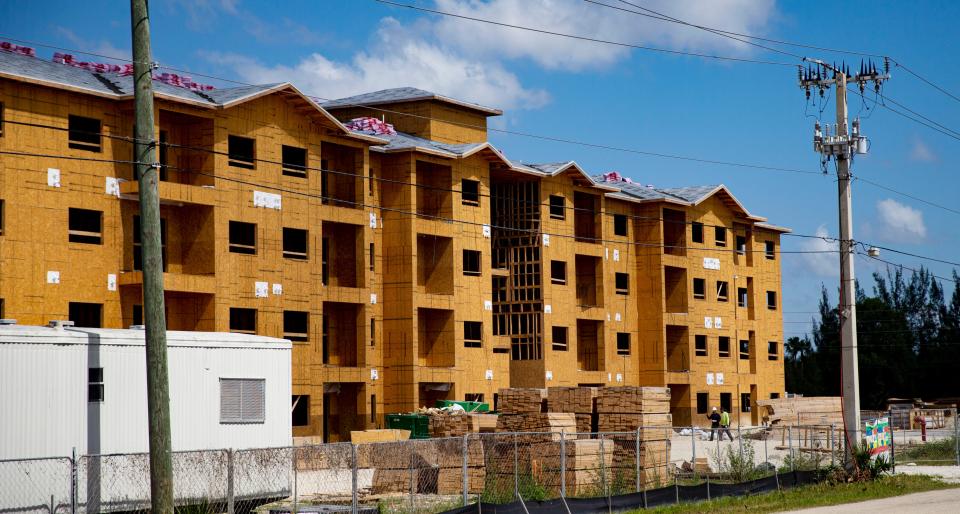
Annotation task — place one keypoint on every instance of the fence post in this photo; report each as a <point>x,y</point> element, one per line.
<point>410,470</point>
<point>793,461</point>
<point>956,434</point>
<point>353,476</point>
<point>766,450</point>
<point>603,467</point>
<point>295,480</point>
<point>693,451</point>
<point>740,440</point>
<point>563,466</point>
<point>466,457</point>
<point>516,471</point>
<point>832,458</point>
<point>73,481</point>
<point>230,484</point>
<point>893,444</point>
<point>636,460</point>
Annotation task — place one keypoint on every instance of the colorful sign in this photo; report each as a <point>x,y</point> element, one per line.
<point>878,436</point>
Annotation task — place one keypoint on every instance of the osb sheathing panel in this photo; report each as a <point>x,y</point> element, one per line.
<point>426,119</point>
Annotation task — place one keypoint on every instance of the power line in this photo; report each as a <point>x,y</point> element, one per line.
<point>896,265</point>
<point>584,38</point>
<point>926,81</point>
<point>531,135</point>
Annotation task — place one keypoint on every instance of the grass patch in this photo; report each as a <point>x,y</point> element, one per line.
<point>935,453</point>
<point>811,496</point>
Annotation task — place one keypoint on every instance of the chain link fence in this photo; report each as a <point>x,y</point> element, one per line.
<point>435,475</point>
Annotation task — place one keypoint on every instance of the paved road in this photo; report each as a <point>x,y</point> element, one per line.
<point>934,502</point>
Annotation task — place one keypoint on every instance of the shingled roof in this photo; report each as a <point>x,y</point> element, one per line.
<point>401,95</point>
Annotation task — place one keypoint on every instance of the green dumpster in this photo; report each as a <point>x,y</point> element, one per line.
<point>417,424</point>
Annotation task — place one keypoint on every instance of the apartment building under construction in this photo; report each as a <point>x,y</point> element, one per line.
<point>407,258</point>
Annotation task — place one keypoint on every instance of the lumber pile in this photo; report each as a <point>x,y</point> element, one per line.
<point>587,460</point>
<point>578,400</point>
<point>483,422</point>
<point>450,425</point>
<point>519,400</point>
<point>641,414</point>
<point>378,436</point>
<point>806,410</point>
<point>430,466</point>
<point>561,425</point>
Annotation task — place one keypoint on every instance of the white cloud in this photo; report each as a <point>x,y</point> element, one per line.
<point>921,152</point>
<point>397,58</point>
<point>900,223</point>
<point>822,264</point>
<point>598,22</point>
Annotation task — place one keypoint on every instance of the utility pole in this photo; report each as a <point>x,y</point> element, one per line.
<point>841,146</point>
<point>144,145</point>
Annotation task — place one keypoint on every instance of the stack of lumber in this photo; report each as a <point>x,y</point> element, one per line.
<point>394,465</point>
<point>519,400</point>
<point>443,470</point>
<point>450,425</point>
<point>483,422</point>
<point>560,425</point>
<point>378,436</point>
<point>806,410</point>
<point>578,400</point>
<point>643,415</point>
<point>587,460</point>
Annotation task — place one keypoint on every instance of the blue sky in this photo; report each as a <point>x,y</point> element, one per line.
<point>608,95</point>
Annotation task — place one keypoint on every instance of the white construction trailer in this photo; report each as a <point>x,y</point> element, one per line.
<point>74,428</point>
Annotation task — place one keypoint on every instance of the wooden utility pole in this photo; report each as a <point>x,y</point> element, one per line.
<point>842,146</point>
<point>144,145</point>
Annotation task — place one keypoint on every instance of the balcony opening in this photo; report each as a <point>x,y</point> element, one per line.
<point>435,338</point>
<point>341,255</point>
<point>293,161</point>
<point>341,344</point>
<point>558,272</point>
<point>678,348</point>
<point>434,196</point>
<point>243,321</point>
<point>470,192</point>
<point>590,345</point>
<point>186,149</point>
<point>295,244</point>
<point>340,181</point>
<point>296,326</point>
<point>675,289</point>
<point>588,268</point>
<point>558,208</point>
<point>586,222</point>
<point>433,392</point>
<point>342,402</point>
<point>241,152</point>
<point>87,315</point>
<point>559,339</point>
<point>674,232</point>
<point>85,226</point>
<point>243,238</point>
<point>138,244</point>
<point>435,264</point>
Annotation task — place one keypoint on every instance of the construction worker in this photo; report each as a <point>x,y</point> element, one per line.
<point>725,424</point>
<point>714,418</point>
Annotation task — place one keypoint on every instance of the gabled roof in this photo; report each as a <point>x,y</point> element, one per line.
<point>552,169</point>
<point>693,195</point>
<point>118,87</point>
<point>401,95</point>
